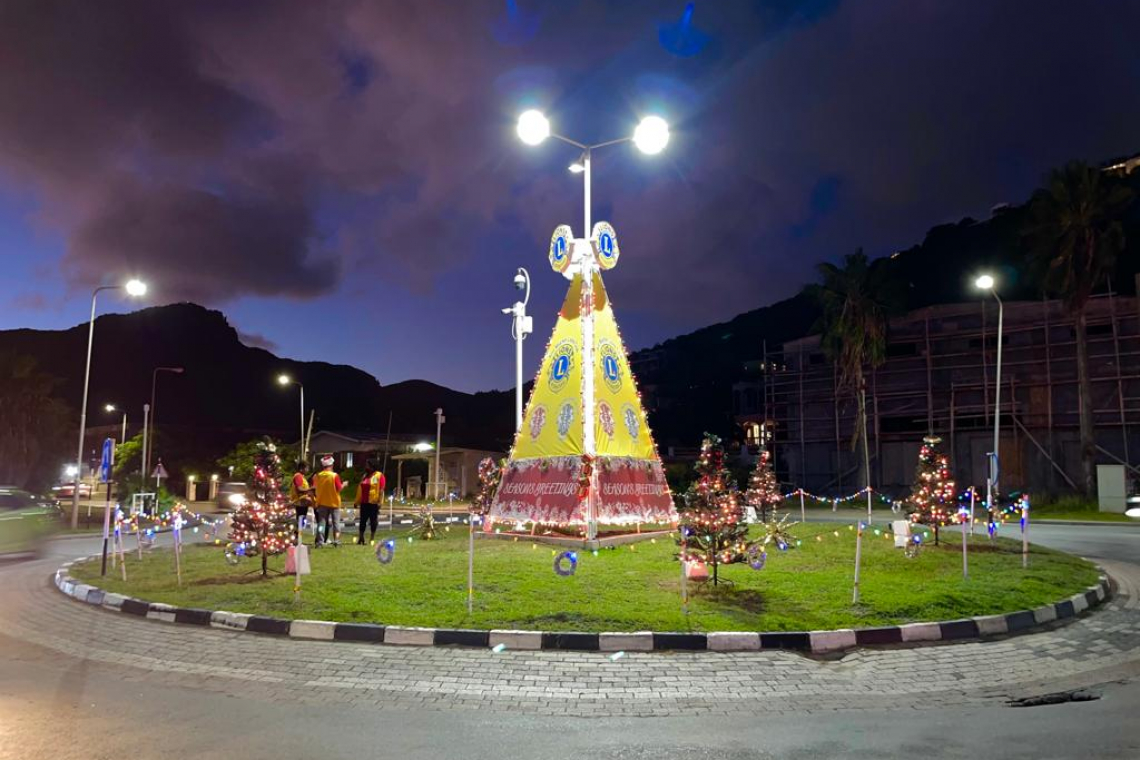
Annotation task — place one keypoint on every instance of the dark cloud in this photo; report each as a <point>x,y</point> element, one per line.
<point>266,148</point>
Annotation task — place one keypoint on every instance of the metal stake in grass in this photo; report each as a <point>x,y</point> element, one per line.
<point>965,517</point>
<point>1025,531</point>
<point>858,554</point>
<point>470,562</point>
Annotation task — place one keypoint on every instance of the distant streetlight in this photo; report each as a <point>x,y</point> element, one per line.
<point>284,380</point>
<point>154,416</point>
<point>439,420</point>
<point>109,408</point>
<point>986,282</point>
<point>521,326</point>
<point>422,447</point>
<point>134,288</point>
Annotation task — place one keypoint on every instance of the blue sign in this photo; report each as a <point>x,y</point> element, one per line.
<point>108,460</point>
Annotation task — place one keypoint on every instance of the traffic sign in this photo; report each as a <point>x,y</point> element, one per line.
<point>108,460</point>
<point>159,472</point>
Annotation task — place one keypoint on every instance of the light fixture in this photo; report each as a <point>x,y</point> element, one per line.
<point>109,408</point>
<point>71,471</point>
<point>422,447</point>
<point>651,135</point>
<point>136,288</point>
<point>533,127</point>
<point>577,167</point>
<point>284,379</point>
<point>984,282</point>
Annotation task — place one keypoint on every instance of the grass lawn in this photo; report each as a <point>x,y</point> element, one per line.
<point>807,587</point>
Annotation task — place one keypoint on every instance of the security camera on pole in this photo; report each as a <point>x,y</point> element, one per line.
<point>521,326</point>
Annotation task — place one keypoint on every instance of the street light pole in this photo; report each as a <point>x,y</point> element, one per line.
<point>154,412</point>
<point>521,326</point>
<point>284,379</point>
<point>439,420</point>
<point>133,288</point>
<point>986,282</point>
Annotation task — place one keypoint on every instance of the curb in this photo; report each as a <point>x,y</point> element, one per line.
<point>808,642</point>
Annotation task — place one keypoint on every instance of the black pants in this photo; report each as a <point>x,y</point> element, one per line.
<point>369,513</point>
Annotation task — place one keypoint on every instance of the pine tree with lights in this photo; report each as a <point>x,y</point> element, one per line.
<point>763,493</point>
<point>931,501</point>
<point>263,524</point>
<point>713,528</point>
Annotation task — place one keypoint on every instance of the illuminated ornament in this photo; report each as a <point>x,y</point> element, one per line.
<point>757,557</point>
<point>385,551</point>
<point>605,244</point>
<point>566,563</point>
<point>560,243</point>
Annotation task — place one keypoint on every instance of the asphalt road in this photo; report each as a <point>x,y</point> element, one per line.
<point>62,707</point>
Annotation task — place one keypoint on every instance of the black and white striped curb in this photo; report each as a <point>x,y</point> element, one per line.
<point>814,642</point>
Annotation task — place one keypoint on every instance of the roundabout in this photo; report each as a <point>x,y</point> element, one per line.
<point>530,596</point>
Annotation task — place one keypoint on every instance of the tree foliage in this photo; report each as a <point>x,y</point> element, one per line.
<point>34,424</point>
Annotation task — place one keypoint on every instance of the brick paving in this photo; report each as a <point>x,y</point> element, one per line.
<point>1094,648</point>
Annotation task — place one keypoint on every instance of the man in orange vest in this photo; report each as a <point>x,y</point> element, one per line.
<point>369,497</point>
<point>300,494</point>
<point>327,485</point>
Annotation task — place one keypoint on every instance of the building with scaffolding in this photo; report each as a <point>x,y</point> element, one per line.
<point>939,377</point>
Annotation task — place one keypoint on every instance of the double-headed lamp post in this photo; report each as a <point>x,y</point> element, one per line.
<point>650,136</point>
<point>521,326</point>
<point>109,408</point>
<point>284,379</point>
<point>986,282</point>
<point>135,289</point>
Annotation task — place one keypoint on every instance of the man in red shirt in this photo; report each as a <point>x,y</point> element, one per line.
<point>369,497</point>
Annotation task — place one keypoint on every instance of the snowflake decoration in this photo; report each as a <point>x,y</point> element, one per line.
<point>632,423</point>
<point>606,417</point>
<point>537,421</point>
<point>565,418</point>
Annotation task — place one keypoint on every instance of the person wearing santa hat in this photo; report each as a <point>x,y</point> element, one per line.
<point>327,485</point>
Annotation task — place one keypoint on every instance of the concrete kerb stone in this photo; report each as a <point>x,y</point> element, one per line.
<point>322,630</point>
<point>820,642</point>
<point>639,641</point>
<point>516,639</point>
<point>832,641</point>
<point>991,625</point>
<point>921,632</point>
<point>421,637</point>
<point>732,641</point>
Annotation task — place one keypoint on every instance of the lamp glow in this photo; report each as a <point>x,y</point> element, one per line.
<point>284,379</point>
<point>422,447</point>
<point>136,288</point>
<point>108,407</point>
<point>533,127</point>
<point>577,167</point>
<point>984,282</point>
<point>651,135</point>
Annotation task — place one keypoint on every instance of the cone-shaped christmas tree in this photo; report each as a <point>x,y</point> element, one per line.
<point>931,501</point>
<point>584,455</point>
<point>763,493</point>
<point>713,529</point>
<point>263,524</point>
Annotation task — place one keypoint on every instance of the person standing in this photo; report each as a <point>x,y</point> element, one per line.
<point>300,495</point>
<point>369,498</point>
<point>327,485</point>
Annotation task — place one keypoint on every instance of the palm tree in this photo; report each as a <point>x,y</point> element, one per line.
<point>1074,234</point>
<point>857,298</point>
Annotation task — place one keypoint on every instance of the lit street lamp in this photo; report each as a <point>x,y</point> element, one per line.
<point>153,418</point>
<point>521,326</point>
<point>439,420</point>
<point>133,288</point>
<point>111,408</point>
<point>986,282</point>
<point>284,379</point>
<point>651,136</point>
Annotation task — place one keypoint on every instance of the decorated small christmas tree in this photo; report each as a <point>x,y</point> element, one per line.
<point>713,529</point>
<point>263,524</point>
<point>931,501</point>
<point>763,494</point>
<point>490,472</point>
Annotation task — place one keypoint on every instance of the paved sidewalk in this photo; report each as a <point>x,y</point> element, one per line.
<point>1097,648</point>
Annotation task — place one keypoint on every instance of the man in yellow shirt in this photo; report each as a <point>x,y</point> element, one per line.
<point>327,485</point>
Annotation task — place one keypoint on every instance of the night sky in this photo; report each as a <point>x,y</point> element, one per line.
<point>344,181</point>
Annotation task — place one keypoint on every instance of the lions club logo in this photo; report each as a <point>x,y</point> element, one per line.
<point>610,360</point>
<point>561,364</point>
